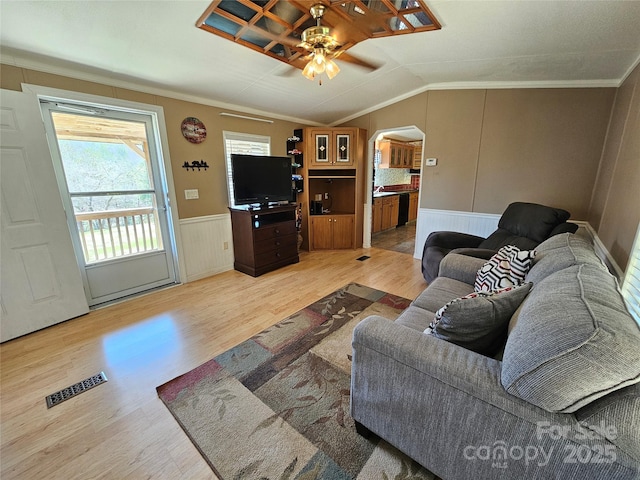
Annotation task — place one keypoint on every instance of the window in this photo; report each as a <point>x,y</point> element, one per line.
<point>246,144</point>
<point>631,284</point>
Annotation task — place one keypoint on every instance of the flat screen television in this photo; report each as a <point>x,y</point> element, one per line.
<point>261,179</point>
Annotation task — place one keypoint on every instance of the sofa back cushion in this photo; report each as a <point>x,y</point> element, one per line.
<point>560,252</point>
<point>531,221</point>
<point>573,342</point>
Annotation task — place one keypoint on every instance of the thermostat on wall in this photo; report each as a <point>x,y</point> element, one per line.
<point>431,162</point>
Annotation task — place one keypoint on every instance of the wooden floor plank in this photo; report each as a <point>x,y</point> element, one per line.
<point>121,429</point>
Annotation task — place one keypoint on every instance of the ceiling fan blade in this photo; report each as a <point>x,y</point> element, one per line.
<point>346,57</point>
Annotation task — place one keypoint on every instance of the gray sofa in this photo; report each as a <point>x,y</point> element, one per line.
<point>560,400</point>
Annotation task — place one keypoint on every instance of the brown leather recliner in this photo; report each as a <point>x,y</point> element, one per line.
<point>524,225</point>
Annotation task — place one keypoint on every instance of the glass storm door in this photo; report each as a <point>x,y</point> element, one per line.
<point>112,184</point>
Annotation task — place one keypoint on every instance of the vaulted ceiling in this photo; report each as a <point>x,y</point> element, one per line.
<point>156,46</point>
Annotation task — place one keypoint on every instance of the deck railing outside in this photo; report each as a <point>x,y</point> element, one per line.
<point>118,233</point>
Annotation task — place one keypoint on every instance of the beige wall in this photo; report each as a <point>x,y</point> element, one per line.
<point>210,183</point>
<point>541,146</point>
<point>572,148</point>
<point>498,146</point>
<point>577,149</point>
<point>615,207</point>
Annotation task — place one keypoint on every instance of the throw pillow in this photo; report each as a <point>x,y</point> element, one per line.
<point>506,268</point>
<point>479,320</point>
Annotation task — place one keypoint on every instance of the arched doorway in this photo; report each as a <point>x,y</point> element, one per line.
<point>378,177</point>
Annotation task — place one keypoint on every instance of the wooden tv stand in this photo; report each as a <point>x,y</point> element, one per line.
<point>264,238</point>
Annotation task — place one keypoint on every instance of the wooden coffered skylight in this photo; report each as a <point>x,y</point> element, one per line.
<point>274,27</point>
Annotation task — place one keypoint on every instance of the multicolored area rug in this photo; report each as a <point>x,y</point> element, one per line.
<point>277,405</point>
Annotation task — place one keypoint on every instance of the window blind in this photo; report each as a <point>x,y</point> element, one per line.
<point>246,144</point>
<point>631,283</point>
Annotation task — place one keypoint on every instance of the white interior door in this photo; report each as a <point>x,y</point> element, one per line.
<point>40,280</point>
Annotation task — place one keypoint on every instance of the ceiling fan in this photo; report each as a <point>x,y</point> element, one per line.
<point>324,47</point>
<point>273,28</point>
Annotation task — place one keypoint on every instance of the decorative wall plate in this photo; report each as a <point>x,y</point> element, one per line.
<point>193,130</point>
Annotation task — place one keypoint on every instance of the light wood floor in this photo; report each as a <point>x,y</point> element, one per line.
<point>399,239</point>
<point>121,429</point>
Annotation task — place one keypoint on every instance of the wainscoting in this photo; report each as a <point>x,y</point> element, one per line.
<point>204,238</point>
<point>484,224</point>
<point>481,224</point>
<point>203,246</point>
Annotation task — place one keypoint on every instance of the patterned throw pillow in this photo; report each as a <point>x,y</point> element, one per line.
<point>479,320</point>
<point>506,268</point>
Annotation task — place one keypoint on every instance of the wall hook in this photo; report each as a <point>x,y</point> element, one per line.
<point>195,164</point>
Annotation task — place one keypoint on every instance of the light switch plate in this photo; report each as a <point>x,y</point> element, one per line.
<point>191,194</point>
<point>431,162</point>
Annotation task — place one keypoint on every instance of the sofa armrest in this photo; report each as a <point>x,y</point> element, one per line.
<point>451,240</point>
<point>460,267</point>
<point>440,404</point>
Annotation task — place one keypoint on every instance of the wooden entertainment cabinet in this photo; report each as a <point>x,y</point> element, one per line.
<point>264,238</point>
<point>332,197</point>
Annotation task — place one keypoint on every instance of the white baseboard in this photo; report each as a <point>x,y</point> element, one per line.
<point>203,246</point>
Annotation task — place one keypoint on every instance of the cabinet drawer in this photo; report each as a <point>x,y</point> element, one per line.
<point>390,199</point>
<point>283,242</point>
<point>274,231</point>
<point>273,256</point>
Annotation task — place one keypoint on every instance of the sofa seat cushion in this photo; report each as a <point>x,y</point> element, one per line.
<point>574,341</point>
<point>415,318</point>
<point>442,290</point>
<point>479,320</point>
<point>560,252</point>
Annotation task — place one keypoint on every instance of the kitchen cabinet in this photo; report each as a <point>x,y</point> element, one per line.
<point>413,206</point>
<point>417,157</point>
<point>390,208</point>
<point>395,154</point>
<point>332,232</point>
<point>376,216</point>
<point>331,147</point>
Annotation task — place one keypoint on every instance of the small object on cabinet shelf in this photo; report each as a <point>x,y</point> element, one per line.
<point>295,151</point>
<point>293,139</point>
<point>195,164</point>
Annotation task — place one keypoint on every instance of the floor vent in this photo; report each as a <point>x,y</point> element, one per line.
<point>75,389</point>
<point>363,258</point>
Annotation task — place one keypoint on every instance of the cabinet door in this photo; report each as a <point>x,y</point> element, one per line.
<point>386,214</point>
<point>342,143</point>
<point>394,155</point>
<point>395,209</point>
<point>376,220</point>
<point>321,232</point>
<point>413,206</point>
<point>408,156</point>
<point>321,144</point>
<point>417,157</point>
<point>343,231</point>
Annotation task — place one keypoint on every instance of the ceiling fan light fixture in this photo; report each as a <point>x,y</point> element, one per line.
<point>309,71</point>
<point>332,69</point>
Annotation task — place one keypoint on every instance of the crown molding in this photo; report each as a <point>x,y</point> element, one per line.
<point>79,74</point>
<point>604,83</point>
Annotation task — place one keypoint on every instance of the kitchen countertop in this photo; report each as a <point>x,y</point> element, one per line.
<point>387,194</point>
